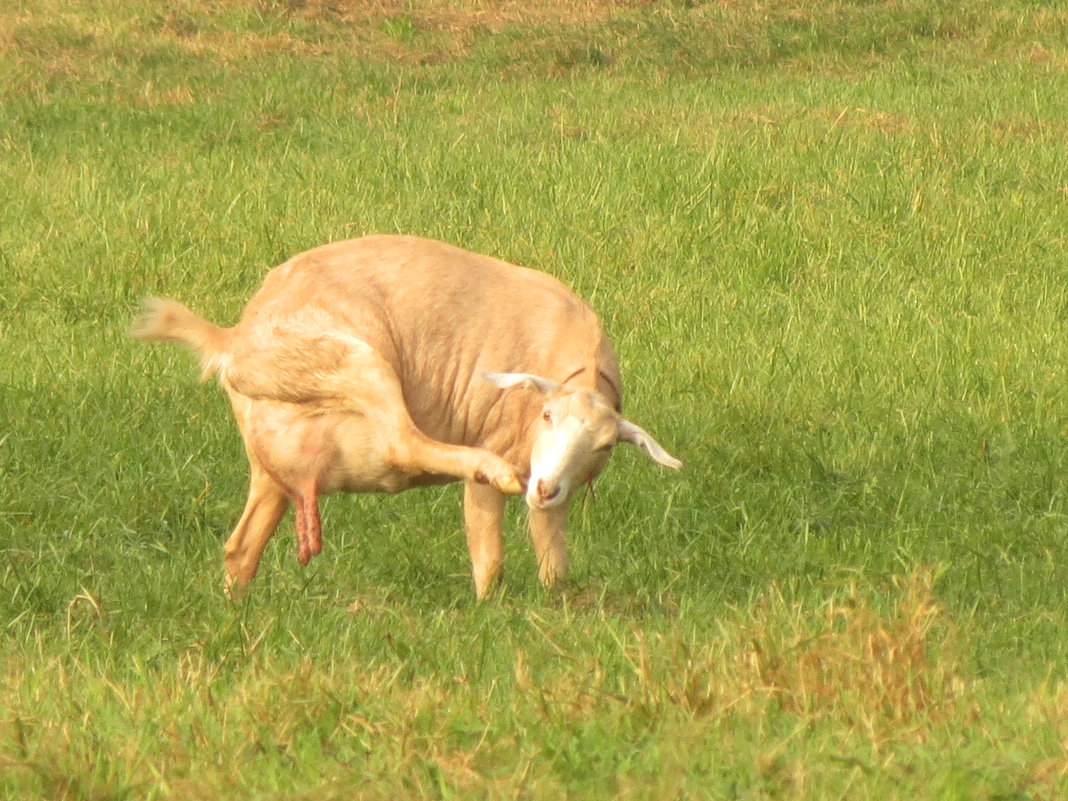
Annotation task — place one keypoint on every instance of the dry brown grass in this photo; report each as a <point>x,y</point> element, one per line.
<point>461,15</point>
<point>883,671</point>
<point>890,674</point>
<point>61,39</point>
<point>50,37</point>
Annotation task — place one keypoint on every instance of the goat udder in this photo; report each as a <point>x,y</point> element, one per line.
<point>308,524</point>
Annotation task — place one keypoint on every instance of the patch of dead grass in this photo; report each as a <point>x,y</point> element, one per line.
<point>461,15</point>
<point>889,673</point>
<point>79,39</point>
<point>881,670</point>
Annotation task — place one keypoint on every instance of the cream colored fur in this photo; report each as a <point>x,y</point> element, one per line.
<point>390,362</point>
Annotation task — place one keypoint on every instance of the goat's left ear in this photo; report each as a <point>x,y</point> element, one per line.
<point>636,435</point>
<point>526,380</point>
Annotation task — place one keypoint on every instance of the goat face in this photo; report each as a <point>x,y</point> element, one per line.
<point>573,439</point>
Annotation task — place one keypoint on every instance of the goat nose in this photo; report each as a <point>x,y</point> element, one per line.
<point>547,492</point>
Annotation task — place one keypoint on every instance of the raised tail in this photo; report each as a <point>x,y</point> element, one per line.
<point>169,321</point>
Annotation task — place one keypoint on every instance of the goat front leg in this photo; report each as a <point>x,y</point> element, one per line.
<point>266,504</point>
<point>483,513</point>
<point>548,529</point>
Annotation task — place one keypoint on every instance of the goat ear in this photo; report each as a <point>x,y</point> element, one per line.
<point>636,435</point>
<point>525,380</point>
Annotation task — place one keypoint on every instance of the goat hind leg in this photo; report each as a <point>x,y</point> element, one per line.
<point>414,452</point>
<point>371,379</point>
<point>266,504</point>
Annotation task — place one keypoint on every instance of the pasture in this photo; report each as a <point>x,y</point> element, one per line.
<point>828,241</point>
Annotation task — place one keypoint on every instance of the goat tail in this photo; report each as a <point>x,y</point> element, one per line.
<point>166,320</point>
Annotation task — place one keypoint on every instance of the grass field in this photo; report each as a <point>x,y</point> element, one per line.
<point>829,241</point>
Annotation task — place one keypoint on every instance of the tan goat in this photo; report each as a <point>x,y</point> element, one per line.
<point>378,364</point>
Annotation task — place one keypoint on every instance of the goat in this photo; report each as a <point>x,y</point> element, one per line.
<point>389,362</point>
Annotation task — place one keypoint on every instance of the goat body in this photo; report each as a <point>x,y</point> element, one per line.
<point>389,362</point>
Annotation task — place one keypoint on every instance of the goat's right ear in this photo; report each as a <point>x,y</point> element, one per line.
<point>526,380</point>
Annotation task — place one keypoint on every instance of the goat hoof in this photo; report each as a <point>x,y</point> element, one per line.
<point>504,481</point>
<point>234,590</point>
<point>509,485</point>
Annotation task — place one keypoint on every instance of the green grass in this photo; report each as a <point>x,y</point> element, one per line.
<point>828,240</point>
